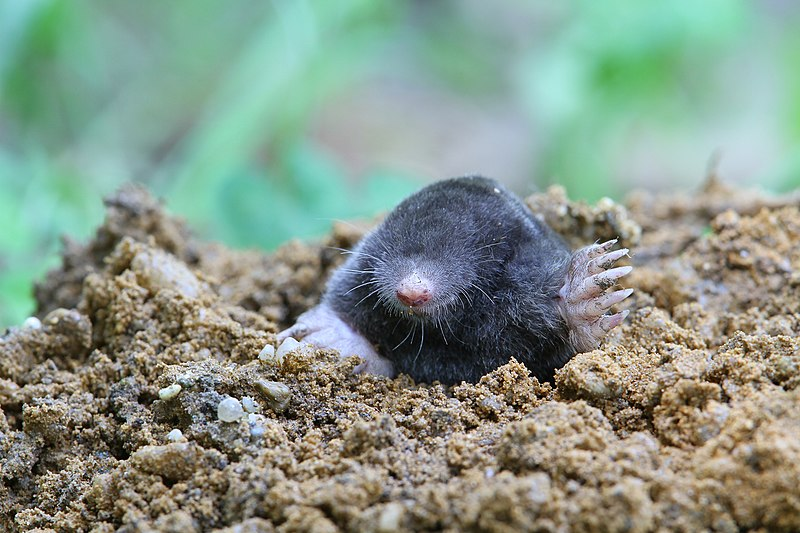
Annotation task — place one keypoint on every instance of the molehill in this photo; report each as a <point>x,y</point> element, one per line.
<point>687,418</point>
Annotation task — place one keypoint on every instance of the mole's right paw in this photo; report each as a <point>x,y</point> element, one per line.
<point>583,297</point>
<point>322,327</point>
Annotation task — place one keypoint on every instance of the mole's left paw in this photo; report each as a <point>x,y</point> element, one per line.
<point>321,326</point>
<point>583,298</point>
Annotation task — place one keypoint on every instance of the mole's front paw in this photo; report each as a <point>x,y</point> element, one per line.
<point>322,327</point>
<point>584,300</point>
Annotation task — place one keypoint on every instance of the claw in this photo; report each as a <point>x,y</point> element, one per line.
<point>590,309</point>
<point>597,250</point>
<point>604,302</point>
<point>609,277</point>
<point>604,262</point>
<point>584,301</point>
<point>596,284</point>
<point>609,322</point>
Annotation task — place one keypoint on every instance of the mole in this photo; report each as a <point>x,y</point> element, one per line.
<point>459,278</point>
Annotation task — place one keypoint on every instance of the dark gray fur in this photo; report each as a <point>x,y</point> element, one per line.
<point>497,272</point>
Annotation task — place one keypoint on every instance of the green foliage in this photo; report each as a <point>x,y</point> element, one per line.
<point>216,106</point>
<point>619,65</point>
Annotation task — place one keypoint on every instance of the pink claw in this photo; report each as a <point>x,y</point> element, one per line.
<point>596,250</point>
<point>605,261</point>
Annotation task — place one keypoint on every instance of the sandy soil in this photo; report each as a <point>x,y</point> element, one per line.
<point>687,418</point>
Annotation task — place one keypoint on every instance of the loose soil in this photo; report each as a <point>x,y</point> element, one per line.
<point>686,419</point>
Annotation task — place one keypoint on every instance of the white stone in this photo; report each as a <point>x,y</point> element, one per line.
<point>539,492</point>
<point>288,345</point>
<point>256,422</point>
<point>390,517</point>
<point>267,353</point>
<point>169,392</point>
<point>230,410</point>
<point>175,435</point>
<point>249,404</point>
<point>32,323</point>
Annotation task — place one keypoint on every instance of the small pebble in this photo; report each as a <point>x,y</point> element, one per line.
<point>605,203</point>
<point>492,403</point>
<point>539,492</point>
<point>249,404</point>
<point>157,269</point>
<point>32,323</point>
<point>278,394</point>
<point>267,353</point>
<point>256,427</point>
<point>169,392</point>
<point>175,435</point>
<point>288,345</point>
<point>390,517</point>
<point>230,410</point>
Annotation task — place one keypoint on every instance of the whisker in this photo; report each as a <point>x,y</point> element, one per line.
<point>381,299</point>
<point>355,252</point>
<point>385,247</point>
<point>370,282</point>
<point>345,222</point>
<point>484,292</point>
<point>460,323</point>
<point>490,245</point>
<point>460,299</point>
<point>367,296</point>
<point>441,328</point>
<point>466,295</point>
<point>421,342</point>
<point>356,271</point>
<point>414,326</point>
<point>402,341</point>
<point>343,250</point>
<point>450,328</point>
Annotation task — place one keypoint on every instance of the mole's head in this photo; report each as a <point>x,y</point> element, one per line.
<point>440,251</point>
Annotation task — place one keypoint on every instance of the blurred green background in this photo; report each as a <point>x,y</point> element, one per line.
<point>261,121</point>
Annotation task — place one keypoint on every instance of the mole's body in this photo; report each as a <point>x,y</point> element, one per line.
<point>456,281</point>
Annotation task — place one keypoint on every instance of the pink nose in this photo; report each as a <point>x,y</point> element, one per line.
<point>413,291</point>
<point>413,298</point>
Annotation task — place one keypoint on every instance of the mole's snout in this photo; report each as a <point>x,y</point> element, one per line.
<point>413,290</point>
